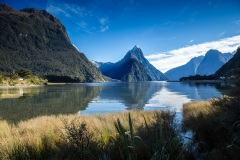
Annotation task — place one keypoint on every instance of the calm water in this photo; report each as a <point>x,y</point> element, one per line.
<point>24,103</point>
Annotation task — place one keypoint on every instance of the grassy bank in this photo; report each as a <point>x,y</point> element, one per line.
<point>20,78</point>
<point>138,135</point>
<point>216,127</point>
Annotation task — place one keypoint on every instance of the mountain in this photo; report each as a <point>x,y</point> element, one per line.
<point>188,69</point>
<point>137,54</point>
<point>233,63</point>
<point>228,56</point>
<point>202,65</point>
<point>128,71</point>
<point>35,40</point>
<point>212,61</point>
<point>135,60</point>
<point>131,71</point>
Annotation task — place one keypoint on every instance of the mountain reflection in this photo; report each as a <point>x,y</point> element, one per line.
<point>49,100</point>
<point>88,98</point>
<point>150,96</point>
<point>132,95</point>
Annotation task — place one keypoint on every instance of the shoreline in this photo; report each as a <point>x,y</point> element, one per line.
<point>203,81</point>
<point>53,84</point>
<point>31,85</point>
<point>21,86</point>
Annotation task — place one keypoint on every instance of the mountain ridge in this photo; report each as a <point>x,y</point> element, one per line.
<point>35,40</point>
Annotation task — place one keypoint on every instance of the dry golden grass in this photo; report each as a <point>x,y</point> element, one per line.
<point>31,132</point>
<point>197,114</point>
<point>195,108</point>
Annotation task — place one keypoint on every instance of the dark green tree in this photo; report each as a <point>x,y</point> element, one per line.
<point>24,73</point>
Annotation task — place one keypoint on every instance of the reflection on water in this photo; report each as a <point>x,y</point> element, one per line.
<point>24,103</point>
<point>49,100</point>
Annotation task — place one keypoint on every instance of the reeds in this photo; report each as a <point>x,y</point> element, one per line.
<point>125,135</point>
<point>212,123</point>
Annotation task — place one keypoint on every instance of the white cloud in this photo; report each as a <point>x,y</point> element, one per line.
<point>221,34</point>
<point>174,58</point>
<point>191,41</point>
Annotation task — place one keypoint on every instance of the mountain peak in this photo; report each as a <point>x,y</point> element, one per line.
<point>136,53</point>
<point>5,7</point>
<point>212,61</point>
<point>135,47</point>
<point>213,52</point>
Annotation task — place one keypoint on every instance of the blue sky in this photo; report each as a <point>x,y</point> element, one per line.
<point>104,30</point>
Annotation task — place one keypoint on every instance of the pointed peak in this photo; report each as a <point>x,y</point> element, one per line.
<point>135,47</point>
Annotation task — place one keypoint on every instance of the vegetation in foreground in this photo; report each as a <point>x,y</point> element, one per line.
<point>20,78</point>
<point>125,135</point>
<point>216,124</point>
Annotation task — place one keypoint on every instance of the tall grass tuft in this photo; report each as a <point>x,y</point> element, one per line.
<point>157,140</point>
<point>77,142</point>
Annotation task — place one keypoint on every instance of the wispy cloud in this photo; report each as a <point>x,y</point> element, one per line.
<point>86,19</point>
<point>104,24</point>
<point>174,58</point>
<point>221,34</point>
<point>56,10</point>
<point>237,22</point>
<point>191,41</point>
<point>67,10</point>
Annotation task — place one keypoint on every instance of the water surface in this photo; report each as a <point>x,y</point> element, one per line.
<point>88,98</point>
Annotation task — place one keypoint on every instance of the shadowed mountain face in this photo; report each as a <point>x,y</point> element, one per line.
<point>188,69</point>
<point>34,39</point>
<point>232,64</point>
<point>212,61</point>
<point>133,67</point>
<point>132,71</point>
